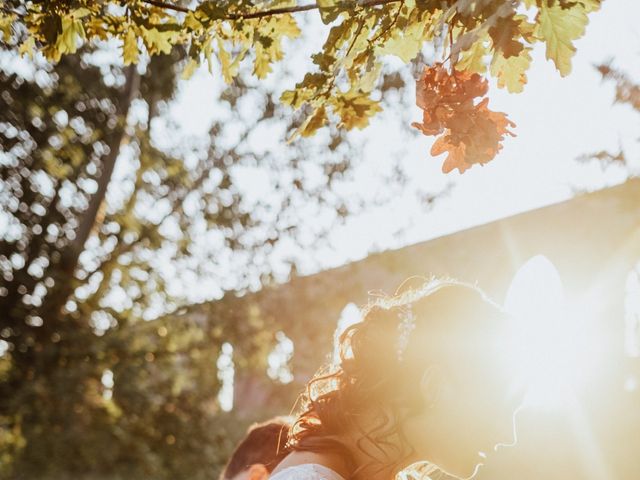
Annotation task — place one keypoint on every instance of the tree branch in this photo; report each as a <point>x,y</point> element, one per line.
<point>274,11</point>
<point>71,254</point>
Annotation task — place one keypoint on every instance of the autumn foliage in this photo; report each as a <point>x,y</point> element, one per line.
<point>469,131</point>
<point>482,38</point>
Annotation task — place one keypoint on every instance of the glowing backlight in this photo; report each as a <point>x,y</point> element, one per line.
<point>552,349</point>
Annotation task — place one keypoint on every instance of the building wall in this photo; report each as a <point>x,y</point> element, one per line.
<point>593,240</point>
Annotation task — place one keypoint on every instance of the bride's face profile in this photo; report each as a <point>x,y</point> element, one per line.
<point>466,387</point>
<point>422,378</point>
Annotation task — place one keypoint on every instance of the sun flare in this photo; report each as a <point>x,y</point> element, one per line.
<point>553,348</point>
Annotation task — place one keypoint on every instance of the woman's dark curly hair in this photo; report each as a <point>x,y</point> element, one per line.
<point>371,377</point>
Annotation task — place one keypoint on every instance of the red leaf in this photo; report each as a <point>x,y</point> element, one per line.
<point>471,133</point>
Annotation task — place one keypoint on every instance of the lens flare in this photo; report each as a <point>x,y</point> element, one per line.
<point>552,349</point>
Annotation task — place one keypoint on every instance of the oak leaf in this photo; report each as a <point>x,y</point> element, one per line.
<point>511,72</point>
<point>559,27</point>
<point>130,47</point>
<point>470,132</point>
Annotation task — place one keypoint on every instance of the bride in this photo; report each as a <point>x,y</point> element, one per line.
<point>422,378</point>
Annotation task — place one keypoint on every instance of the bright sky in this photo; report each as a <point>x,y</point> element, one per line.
<point>558,119</point>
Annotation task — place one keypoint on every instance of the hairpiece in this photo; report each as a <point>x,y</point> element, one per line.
<point>405,327</point>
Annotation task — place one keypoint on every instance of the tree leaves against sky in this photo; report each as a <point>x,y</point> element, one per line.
<point>475,35</point>
<point>627,92</point>
<point>177,214</point>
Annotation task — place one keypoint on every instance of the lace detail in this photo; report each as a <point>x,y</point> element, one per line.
<point>308,471</point>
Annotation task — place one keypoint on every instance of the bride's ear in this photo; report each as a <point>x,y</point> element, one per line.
<point>432,385</point>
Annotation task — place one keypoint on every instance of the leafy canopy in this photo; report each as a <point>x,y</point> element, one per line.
<point>487,37</point>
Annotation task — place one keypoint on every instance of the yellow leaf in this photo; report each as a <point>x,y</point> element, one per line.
<point>5,26</point>
<point>261,66</point>
<point>189,69</point>
<point>463,42</point>
<point>306,90</point>
<point>288,97</point>
<point>558,27</point>
<point>368,80</point>
<point>329,10</point>
<point>405,45</point>
<point>281,3</point>
<point>354,109</point>
<point>80,13</point>
<point>97,28</point>
<point>286,26</point>
<point>54,167</point>
<point>130,47</point>
<point>472,60</point>
<point>67,41</point>
<point>359,43</point>
<point>207,50</point>
<point>225,62</point>
<point>590,5</point>
<point>191,21</point>
<point>27,48</point>
<point>315,121</point>
<point>511,72</point>
<point>159,42</point>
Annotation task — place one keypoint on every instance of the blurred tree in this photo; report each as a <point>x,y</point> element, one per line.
<point>62,131</point>
<point>102,230</point>
<point>627,92</point>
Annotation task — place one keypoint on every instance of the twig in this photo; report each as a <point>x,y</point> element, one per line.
<point>391,25</point>
<point>11,11</point>
<point>274,11</point>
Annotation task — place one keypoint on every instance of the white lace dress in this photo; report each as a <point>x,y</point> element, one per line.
<point>308,471</point>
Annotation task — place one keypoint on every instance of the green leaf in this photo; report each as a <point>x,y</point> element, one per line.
<point>558,27</point>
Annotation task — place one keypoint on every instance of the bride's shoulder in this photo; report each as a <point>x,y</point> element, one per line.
<point>308,471</point>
